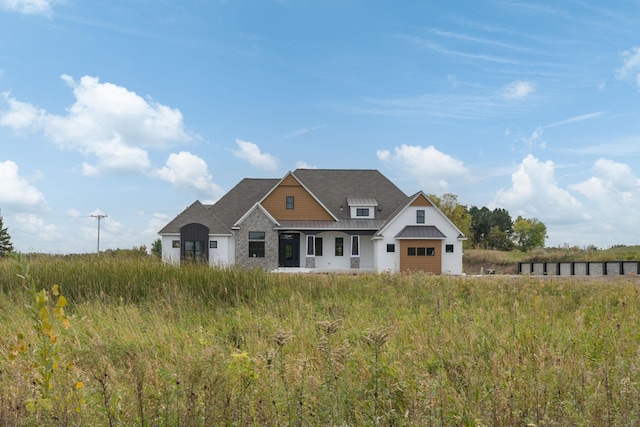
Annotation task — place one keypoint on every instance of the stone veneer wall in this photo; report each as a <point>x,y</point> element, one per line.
<point>355,262</point>
<point>257,221</point>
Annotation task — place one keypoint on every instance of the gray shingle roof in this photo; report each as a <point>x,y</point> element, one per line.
<point>420,232</point>
<point>196,212</point>
<point>334,186</point>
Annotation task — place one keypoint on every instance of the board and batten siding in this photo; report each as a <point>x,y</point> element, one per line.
<point>306,207</point>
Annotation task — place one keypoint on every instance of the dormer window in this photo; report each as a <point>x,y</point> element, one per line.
<point>362,208</point>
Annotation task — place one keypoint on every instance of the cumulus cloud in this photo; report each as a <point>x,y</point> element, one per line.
<point>28,7</point>
<point>107,123</point>
<point>517,90</point>
<point>304,165</point>
<point>251,152</point>
<point>36,228</point>
<point>612,186</point>
<point>535,193</point>
<point>188,171</point>
<point>630,69</point>
<point>15,190</point>
<point>432,168</point>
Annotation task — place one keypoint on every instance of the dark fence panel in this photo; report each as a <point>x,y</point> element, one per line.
<point>579,268</point>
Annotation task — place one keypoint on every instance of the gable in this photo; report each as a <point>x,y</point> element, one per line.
<point>305,206</point>
<point>421,200</point>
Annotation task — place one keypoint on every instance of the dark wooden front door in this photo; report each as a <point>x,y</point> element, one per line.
<point>289,250</point>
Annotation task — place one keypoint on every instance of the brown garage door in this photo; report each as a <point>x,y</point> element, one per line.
<point>421,255</point>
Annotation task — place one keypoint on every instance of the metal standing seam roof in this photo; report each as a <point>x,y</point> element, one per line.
<point>420,232</point>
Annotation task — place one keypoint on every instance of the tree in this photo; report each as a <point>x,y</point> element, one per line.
<point>529,233</point>
<point>457,213</point>
<point>156,248</point>
<point>499,239</point>
<point>5,240</point>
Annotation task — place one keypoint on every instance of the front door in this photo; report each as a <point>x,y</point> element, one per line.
<point>289,250</point>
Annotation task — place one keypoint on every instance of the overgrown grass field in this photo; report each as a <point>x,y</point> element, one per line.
<point>135,342</point>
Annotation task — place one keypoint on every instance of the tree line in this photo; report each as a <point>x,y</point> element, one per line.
<point>492,229</point>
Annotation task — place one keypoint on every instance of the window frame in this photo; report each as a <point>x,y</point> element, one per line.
<point>421,216</point>
<point>363,212</point>
<point>311,245</point>
<point>391,246</point>
<point>256,247</point>
<point>355,245</point>
<point>213,244</point>
<point>339,244</point>
<point>449,248</point>
<point>318,246</point>
<point>290,202</point>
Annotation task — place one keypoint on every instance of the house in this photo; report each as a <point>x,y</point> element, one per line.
<point>321,220</point>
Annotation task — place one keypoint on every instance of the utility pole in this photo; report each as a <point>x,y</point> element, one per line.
<point>99,216</point>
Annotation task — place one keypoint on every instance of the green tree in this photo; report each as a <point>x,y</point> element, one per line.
<point>529,233</point>
<point>156,248</point>
<point>499,239</point>
<point>457,213</point>
<point>484,221</point>
<point>5,240</point>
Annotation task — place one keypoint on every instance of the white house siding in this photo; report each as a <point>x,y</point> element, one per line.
<point>169,253</point>
<point>328,258</point>
<point>451,262</point>
<point>219,256</point>
<point>366,252</point>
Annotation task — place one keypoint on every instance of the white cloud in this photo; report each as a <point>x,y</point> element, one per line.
<point>630,69</point>
<point>535,193</point>
<point>20,114</point>
<point>188,171</point>
<point>251,152</point>
<point>36,228</point>
<point>28,7</point>
<point>517,90</point>
<point>107,123</point>
<point>432,168</point>
<point>15,190</point>
<point>304,165</point>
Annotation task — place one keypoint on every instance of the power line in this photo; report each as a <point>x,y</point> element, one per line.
<point>99,216</point>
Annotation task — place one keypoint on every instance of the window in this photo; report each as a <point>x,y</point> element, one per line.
<point>213,244</point>
<point>420,216</point>
<point>311,246</point>
<point>391,247</point>
<point>256,235</point>
<point>362,211</point>
<point>318,246</point>
<point>448,249</point>
<point>256,244</point>
<point>175,244</point>
<point>355,245</point>
<point>431,251</point>
<point>194,250</point>
<point>411,251</point>
<point>421,251</point>
<point>290,202</point>
<point>339,246</point>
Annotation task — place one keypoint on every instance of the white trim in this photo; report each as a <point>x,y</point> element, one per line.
<point>236,226</point>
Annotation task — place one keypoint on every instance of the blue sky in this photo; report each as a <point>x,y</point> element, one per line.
<point>135,109</point>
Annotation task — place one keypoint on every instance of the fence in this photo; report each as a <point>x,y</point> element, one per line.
<point>579,268</point>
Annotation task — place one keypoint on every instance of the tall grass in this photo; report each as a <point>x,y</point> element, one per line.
<point>153,344</point>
